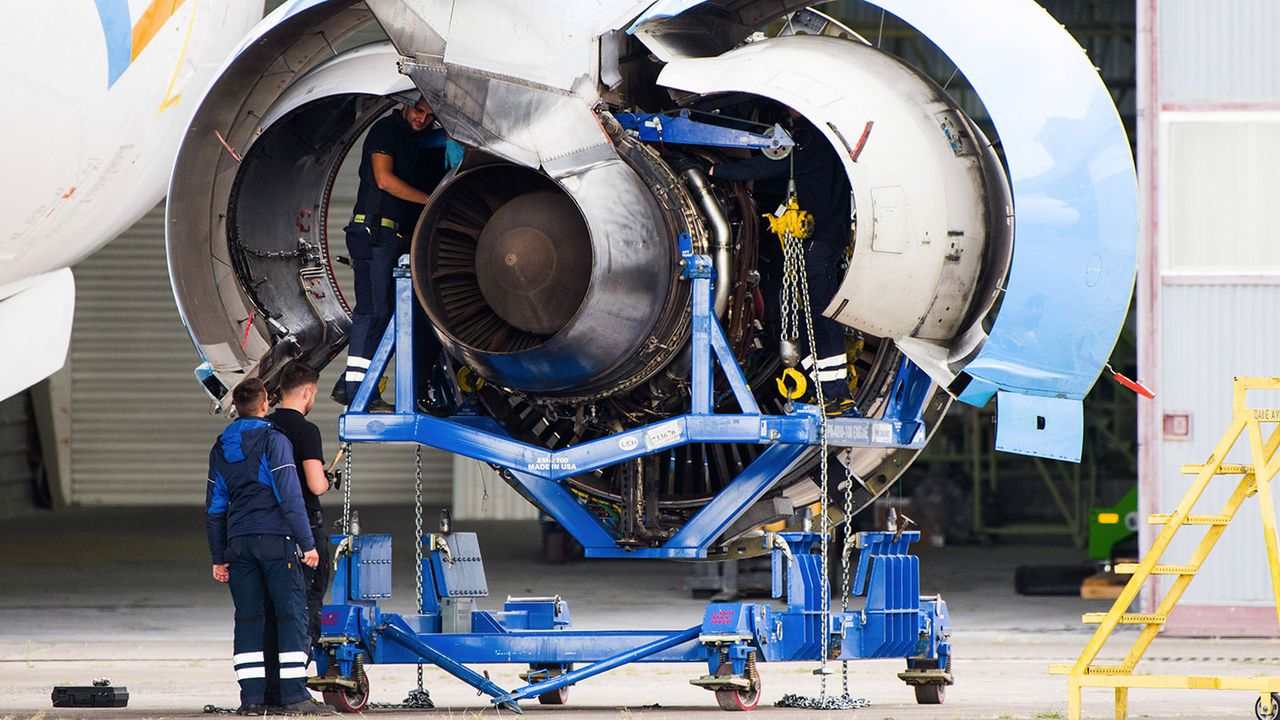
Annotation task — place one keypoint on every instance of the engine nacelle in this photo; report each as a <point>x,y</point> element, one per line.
<point>548,262</point>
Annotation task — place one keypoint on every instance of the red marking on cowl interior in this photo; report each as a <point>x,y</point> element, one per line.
<point>70,192</point>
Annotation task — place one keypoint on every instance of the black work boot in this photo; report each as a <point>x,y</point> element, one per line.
<point>305,707</point>
<point>339,394</point>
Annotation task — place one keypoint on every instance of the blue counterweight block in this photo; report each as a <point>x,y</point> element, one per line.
<point>889,577</point>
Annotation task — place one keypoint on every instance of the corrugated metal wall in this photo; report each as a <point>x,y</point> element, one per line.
<point>1212,333</point>
<point>480,494</point>
<point>141,429</point>
<point>1224,50</point>
<point>17,445</point>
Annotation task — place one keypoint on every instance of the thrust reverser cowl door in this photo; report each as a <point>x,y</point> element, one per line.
<point>1074,194</point>
<point>1075,203</point>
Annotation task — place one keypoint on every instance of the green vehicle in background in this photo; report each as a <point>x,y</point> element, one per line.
<point>1114,527</point>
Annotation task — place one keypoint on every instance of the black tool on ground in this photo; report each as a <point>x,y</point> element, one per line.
<point>100,694</point>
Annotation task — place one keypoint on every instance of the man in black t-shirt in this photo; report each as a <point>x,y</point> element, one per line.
<point>385,213</point>
<point>296,388</point>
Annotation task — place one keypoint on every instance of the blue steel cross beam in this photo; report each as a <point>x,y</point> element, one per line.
<point>539,471</point>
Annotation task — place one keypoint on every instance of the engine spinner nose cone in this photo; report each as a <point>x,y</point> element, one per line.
<point>533,262</point>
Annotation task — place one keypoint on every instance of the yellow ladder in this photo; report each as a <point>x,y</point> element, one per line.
<point>1254,479</point>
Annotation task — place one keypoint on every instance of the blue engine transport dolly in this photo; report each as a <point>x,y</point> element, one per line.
<point>732,638</point>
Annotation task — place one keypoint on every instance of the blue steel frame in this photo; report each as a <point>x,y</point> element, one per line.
<point>539,471</point>
<point>894,622</point>
<point>680,129</point>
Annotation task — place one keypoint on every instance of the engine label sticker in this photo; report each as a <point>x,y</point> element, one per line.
<point>848,433</point>
<point>552,464</point>
<point>628,443</point>
<point>663,435</point>
<point>882,433</point>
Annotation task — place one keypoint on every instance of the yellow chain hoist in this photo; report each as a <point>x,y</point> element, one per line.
<point>792,226</point>
<point>789,218</point>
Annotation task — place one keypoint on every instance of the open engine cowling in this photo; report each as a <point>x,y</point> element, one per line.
<point>548,262</point>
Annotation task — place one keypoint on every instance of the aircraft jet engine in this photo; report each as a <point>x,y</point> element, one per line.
<point>549,261</point>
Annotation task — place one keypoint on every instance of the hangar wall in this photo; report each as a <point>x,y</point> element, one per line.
<point>1209,286</point>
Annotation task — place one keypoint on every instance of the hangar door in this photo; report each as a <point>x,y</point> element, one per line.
<point>140,425</point>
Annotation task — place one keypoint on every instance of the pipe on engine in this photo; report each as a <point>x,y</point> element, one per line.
<point>721,243</point>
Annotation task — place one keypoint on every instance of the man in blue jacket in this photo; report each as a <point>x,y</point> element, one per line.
<point>259,538</point>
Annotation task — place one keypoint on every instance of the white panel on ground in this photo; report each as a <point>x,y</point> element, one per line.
<point>141,428</point>
<point>1219,203</point>
<point>1212,333</point>
<point>480,494</point>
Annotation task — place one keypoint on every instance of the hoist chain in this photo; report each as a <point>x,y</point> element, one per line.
<point>346,488</point>
<point>824,522</point>
<point>795,303</point>
<point>417,541</point>
<point>846,579</point>
<point>792,266</point>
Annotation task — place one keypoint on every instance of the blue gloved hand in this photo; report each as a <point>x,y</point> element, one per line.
<point>453,151</point>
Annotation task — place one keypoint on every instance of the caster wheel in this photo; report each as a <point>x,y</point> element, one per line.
<point>349,701</point>
<point>1275,708</point>
<point>931,694</point>
<point>737,700</point>
<point>555,697</point>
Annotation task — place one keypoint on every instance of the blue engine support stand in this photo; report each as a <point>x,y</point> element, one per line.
<point>449,632</point>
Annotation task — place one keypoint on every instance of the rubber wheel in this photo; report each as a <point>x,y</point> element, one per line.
<point>349,701</point>
<point>555,547</point>
<point>1275,708</point>
<point>737,700</point>
<point>555,697</point>
<point>931,694</point>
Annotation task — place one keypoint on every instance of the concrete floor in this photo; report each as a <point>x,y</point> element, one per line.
<point>126,594</point>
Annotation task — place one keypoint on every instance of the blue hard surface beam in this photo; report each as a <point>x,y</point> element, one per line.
<point>405,302</point>
<point>456,669</point>
<point>606,665</point>
<point>728,504</point>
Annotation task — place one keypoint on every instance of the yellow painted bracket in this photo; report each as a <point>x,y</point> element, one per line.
<point>1255,479</point>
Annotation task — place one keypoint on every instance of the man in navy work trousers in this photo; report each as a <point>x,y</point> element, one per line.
<point>259,538</point>
<point>386,210</point>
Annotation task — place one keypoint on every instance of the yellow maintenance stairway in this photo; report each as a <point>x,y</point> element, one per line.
<point>1254,479</point>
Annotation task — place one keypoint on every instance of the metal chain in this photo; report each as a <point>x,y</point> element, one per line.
<point>800,702</point>
<point>824,521</point>
<point>792,258</point>
<point>416,700</point>
<point>795,271</point>
<point>417,540</point>
<point>846,579</point>
<point>346,488</point>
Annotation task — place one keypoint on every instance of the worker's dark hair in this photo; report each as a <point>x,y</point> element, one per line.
<point>295,375</point>
<point>248,396</point>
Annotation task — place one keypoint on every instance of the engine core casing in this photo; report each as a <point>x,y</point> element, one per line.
<point>545,286</point>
